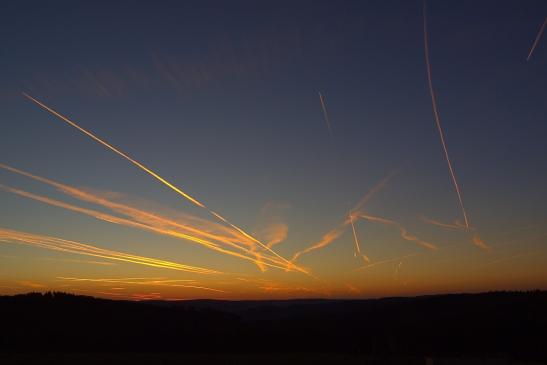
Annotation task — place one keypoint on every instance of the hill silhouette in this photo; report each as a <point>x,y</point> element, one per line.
<point>508,325</point>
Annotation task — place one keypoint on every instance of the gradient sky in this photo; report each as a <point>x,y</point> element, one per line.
<point>221,99</point>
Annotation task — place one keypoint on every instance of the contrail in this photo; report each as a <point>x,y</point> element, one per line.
<point>455,225</point>
<point>538,37</point>
<point>121,221</point>
<point>357,247</point>
<point>336,232</point>
<point>204,235</point>
<point>325,113</point>
<point>159,178</point>
<point>112,148</point>
<point>58,244</point>
<point>386,261</point>
<point>171,283</point>
<point>402,230</point>
<point>437,118</point>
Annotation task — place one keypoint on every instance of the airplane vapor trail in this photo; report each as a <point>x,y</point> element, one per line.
<point>159,178</point>
<point>325,113</point>
<point>336,232</point>
<point>437,118</point>
<point>395,259</point>
<point>114,149</point>
<point>126,222</point>
<point>402,230</point>
<point>224,233</point>
<point>538,37</point>
<point>153,282</point>
<point>59,244</point>
<point>357,246</point>
<point>455,225</point>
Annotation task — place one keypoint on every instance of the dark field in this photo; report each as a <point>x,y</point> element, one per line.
<point>490,328</point>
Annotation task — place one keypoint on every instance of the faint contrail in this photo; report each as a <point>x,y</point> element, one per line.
<point>454,225</point>
<point>437,118</point>
<point>325,113</point>
<point>538,37</point>
<point>357,246</point>
<point>402,230</point>
<point>386,261</point>
<point>159,178</point>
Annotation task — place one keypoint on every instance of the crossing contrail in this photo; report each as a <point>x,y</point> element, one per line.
<point>161,179</point>
<point>337,231</point>
<point>437,118</point>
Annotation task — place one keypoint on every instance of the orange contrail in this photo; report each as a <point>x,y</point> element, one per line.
<point>325,113</point>
<point>537,39</point>
<point>58,244</point>
<point>117,220</point>
<point>159,178</point>
<point>437,118</point>
<point>136,163</point>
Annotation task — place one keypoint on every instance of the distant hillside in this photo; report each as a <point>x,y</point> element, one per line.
<point>500,324</point>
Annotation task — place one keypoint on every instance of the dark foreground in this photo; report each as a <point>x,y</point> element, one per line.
<point>490,328</point>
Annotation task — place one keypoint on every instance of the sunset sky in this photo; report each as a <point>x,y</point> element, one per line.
<point>308,127</point>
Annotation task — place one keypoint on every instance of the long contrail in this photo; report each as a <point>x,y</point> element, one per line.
<point>159,178</point>
<point>437,118</point>
<point>114,149</point>
<point>203,234</point>
<point>538,37</point>
<point>126,222</point>
<point>58,244</point>
<point>325,113</point>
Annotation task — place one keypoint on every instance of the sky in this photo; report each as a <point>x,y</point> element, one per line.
<point>272,150</point>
